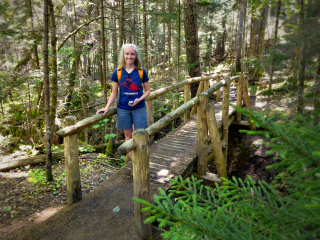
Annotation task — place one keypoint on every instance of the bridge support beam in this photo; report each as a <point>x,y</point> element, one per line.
<point>219,90</point>
<point>150,116</point>
<point>186,98</point>
<point>225,118</point>
<point>71,155</point>
<point>215,142</point>
<point>202,134</point>
<point>141,180</point>
<point>239,98</point>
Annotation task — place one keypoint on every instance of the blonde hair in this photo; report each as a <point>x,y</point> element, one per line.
<point>121,61</point>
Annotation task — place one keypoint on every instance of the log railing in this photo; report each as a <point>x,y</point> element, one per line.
<point>139,145</point>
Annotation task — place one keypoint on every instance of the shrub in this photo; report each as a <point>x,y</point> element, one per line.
<point>289,208</point>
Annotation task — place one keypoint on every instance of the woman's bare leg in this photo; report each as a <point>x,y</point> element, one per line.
<point>128,136</point>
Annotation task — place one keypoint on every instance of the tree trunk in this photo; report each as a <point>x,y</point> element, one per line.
<point>145,35</point>
<point>317,93</point>
<point>192,42</point>
<point>275,42</point>
<point>164,37</point>
<point>303,59</point>
<point>114,38</point>
<point>49,176</point>
<point>54,82</point>
<point>73,75</point>
<point>36,47</point>
<point>179,39</point>
<point>121,23</point>
<point>240,35</point>
<point>243,47</point>
<point>169,35</point>
<point>105,88</point>
<point>254,30</point>
<point>262,30</point>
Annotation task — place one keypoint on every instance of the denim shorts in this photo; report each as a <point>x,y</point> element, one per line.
<point>137,117</point>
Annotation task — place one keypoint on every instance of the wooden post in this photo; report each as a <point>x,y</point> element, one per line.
<point>215,142</point>
<point>206,84</point>
<point>247,103</point>
<point>247,78</point>
<point>239,98</point>
<point>141,180</point>
<point>186,97</point>
<point>200,90</point>
<point>71,155</point>
<point>150,116</point>
<point>225,117</point>
<point>202,134</point>
<point>219,90</point>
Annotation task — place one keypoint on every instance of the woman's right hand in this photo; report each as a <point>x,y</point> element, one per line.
<point>103,110</point>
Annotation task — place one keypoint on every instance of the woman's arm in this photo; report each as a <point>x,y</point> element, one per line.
<point>113,96</point>
<point>146,93</point>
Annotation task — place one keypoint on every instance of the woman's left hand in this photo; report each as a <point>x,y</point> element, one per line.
<point>136,101</point>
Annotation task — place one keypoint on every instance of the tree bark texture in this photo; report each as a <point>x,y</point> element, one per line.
<point>240,35</point>
<point>317,93</point>
<point>47,91</point>
<point>36,47</point>
<point>275,41</point>
<point>164,37</point>
<point>105,86</point>
<point>202,134</point>
<point>121,25</point>
<point>141,180</point>
<point>72,164</point>
<point>239,98</point>
<point>145,36</point>
<point>254,30</point>
<point>225,118</point>
<point>54,78</point>
<point>215,141</point>
<point>73,75</point>
<point>262,30</point>
<point>303,59</point>
<point>192,42</point>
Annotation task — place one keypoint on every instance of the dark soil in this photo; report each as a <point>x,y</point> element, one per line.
<point>248,156</point>
<point>23,202</point>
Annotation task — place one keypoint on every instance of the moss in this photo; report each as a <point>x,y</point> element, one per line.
<point>109,149</point>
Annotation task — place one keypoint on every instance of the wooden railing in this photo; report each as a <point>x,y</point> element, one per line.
<point>139,144</point>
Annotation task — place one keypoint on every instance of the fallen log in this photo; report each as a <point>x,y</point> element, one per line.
<point>6,166</point>
<point>9,165</point>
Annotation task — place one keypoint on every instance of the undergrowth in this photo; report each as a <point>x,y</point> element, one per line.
<point>288,208</point>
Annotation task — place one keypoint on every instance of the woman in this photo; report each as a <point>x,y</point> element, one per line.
<point>131,103</point>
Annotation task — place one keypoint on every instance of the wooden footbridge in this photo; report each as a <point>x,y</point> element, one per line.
<point>185,151</point>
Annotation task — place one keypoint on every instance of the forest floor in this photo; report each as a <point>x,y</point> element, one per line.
<point>23,202</point>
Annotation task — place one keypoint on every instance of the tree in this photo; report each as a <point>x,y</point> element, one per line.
<point>275,41</point>
<point>49,176</point>
<point>54,81</point>
<point>145,34</point>
<point>192,42</point>
<point>121,23</point>
<point>316,116</point>
<point>240,35</point>
<point>105,88</point>
<point>254,27</point>
<point>262,30</point>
